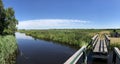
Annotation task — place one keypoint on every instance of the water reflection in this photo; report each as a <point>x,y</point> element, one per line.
<point>41,52</point>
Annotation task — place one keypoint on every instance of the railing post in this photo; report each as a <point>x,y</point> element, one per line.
<point>92,44</point>
<point>85,56</point>
<point>108,45</point>
<point>114,57</point>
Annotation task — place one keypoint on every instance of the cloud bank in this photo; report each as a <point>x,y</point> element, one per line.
<point>51,24</point>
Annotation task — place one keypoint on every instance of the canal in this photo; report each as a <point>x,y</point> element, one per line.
<point>34,51</point>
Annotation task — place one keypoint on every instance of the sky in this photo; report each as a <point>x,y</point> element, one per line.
<point>60,14</point>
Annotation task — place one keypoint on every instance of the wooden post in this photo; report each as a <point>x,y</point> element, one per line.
<point>108,45</point>
<point>85,56</point>
<point>92,44</point>
<point>114,57</point>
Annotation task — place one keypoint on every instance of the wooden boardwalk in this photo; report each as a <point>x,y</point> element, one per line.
<point>100,49</point>
<point>100,46</point>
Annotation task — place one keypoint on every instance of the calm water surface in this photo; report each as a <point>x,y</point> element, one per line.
<point>34,51</point>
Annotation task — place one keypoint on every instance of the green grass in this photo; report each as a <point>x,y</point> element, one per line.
<point>114,42</point>
<point>72,37</point>
<point>115,45</point>
<point>8,47</point>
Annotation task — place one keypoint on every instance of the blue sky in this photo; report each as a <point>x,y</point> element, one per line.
<point>48,14</point>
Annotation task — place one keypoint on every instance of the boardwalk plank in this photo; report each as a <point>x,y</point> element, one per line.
<point>102,46</point>
<point>105,47</point>
<point>96,49</point>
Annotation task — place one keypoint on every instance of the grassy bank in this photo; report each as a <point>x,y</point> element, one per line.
<point>73,37</point>
<point>115,42</point>
<point>8,47</point>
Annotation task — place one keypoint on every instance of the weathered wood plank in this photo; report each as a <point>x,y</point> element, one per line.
<point>101,46</point>
<point>105,47</point>
<point>94,43</point>
<point>96,49</point>
<point>95,37</point>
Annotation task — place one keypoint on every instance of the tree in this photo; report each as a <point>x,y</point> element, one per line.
<point>2,17</point>
<point>11,21</point>
<point>8,21</point>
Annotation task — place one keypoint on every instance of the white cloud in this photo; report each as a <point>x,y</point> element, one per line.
<point>51,24</point>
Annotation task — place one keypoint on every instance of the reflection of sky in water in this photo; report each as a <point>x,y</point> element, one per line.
<point>22,36</point>
<point>39,51</point>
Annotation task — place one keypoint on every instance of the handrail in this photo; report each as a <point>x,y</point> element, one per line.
<point>107,37</point>
<point>75,57</point>
<point>94,41</point>
<point>95,37</point>
<point>107,40</point>
<point>116,53</point>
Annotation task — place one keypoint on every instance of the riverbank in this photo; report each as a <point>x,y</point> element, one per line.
<point>72,37</point>
<point>8,47</point>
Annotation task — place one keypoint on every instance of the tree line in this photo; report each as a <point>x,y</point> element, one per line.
<point>8,21</point>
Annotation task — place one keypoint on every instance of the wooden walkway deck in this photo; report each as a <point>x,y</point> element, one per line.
<point>100,47</point>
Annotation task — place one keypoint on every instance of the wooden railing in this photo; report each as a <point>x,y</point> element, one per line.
<point>116,56</point>
<point>76,57</point>
<point>94,41</point>
<point>107,40</point>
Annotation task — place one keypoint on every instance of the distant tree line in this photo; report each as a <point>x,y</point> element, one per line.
<point>8,21</point>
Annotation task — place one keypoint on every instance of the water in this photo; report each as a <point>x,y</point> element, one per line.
<point>34,51</point>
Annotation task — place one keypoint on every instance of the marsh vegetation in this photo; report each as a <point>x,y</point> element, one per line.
<point>73,37</point>
<point>8,47</point>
